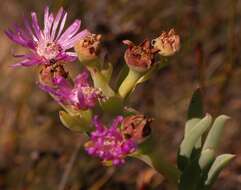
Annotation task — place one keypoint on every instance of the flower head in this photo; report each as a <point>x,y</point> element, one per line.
<point>109,144</point>
<point>140,57</point>
<point>168,43</point>
<point>50,44</point>
<point>79,96</point>
<point>88,47</point>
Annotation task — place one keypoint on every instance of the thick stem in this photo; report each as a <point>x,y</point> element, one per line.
<point>129,82</point>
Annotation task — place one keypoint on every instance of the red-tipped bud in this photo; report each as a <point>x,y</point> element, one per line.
<point>88,47</point>
<point>136,127</point>
<point>167,43</point>
<point>139,57</point>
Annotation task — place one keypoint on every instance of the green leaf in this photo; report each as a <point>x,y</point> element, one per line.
<point>76,123</point>
<point>220,162</point>
<point>195,109</point>
<point>194,135</point>
<point>215,133</point>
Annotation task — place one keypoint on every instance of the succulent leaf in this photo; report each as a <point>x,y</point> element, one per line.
<point>195,134</point>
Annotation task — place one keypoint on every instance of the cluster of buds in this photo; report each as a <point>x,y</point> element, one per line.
<point>142,57</point>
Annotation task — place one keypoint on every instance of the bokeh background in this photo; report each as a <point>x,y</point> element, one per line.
<point>36,151</point>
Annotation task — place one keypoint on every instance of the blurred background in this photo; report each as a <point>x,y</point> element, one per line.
<point>36,151</point>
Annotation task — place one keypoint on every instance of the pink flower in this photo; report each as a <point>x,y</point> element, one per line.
<point>109,144</point>
<point>80,95</point>
<point>50,44</point>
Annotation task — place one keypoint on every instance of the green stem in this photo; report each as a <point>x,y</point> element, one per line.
<point>100,81</point>
<point>129,82</point>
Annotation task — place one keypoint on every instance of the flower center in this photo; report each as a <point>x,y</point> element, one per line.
<point>49,50</point>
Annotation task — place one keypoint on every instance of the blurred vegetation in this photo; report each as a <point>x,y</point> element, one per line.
<point>35,149</point>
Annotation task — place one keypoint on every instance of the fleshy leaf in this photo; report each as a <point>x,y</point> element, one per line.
<point>214,135</point>
<point>195,109</point>
<point>206,158</point>
<point>217,166</point>
<point>192,138</point>
<point>189,126</point>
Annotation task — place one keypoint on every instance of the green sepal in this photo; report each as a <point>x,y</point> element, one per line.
<point>220,162</point>
<point>77,123</point>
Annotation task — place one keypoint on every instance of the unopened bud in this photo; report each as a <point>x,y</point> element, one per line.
<point>139,57</point>
<point>136,127</point>
<point>167,43</point>
<point>88,47</point>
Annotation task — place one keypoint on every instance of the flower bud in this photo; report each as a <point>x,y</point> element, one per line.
<point>136,127</point>
<point>139,57</point>
<point>167,43</point>
<point>87,48</point>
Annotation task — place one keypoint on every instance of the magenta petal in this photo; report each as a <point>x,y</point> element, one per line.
<point>117,121</point>
<point>36,27</point>
<point>82,79</point>
<point>61,27</point>
<point>71,31</point>
<point>56,23</point>
<point>27,63</point>
<point>48,22</point>
<point>69,44</point>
